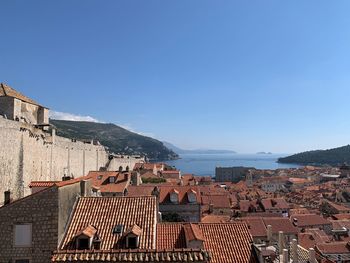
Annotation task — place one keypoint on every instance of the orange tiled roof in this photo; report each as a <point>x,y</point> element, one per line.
<point>334,248</point>
<point>256,226</point>
<point>226,242</point>
<point>192,232</point>
<point>100,180</point>
<point>88,231</point>
<point>305,220</point>
<point>280,224</point>
<point>182,191</point>
<point>274,203</point>
<point>104,213</point>
<point>136,255</point>
<point>42,183</point>
<point>6,90</point>
<point>215,219</point>
<point>218,201</point>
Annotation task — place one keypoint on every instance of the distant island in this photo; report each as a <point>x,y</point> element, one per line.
<point>264,153</point>
<point>196,151</point>
<point>335,156</point>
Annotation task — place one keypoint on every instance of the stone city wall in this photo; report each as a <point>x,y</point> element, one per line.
<point>29,154</point>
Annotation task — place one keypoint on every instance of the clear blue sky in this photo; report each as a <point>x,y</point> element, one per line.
<point>243,75</point>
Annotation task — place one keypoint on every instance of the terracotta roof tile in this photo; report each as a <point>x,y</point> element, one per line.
<point>215,219</point>
<point>42,183</point>
<point>104,213</point>
<point>280,224</point>
<point>137,255</point>
<point>88,231</point>
<point>6,90</point>
<point>192,232</point>
<point>226,242</point>
<point>306,220</point>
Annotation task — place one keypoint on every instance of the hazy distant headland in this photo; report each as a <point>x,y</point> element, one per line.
<point>335,156</point>
<point>196,151</point>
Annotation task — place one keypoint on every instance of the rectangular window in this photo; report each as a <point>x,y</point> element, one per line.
<point>23,235</point>
<point>22,261</point>
<point>83,243</point>
<point>132,242</point>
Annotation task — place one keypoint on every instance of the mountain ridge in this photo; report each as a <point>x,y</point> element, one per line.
<point>117,139</point>
<point>195,151</point>
<point>333,156</point>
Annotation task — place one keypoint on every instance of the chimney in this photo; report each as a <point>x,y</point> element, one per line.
<point>83,188</point>
<point>53,135</point>
<point>312,257</point>
<point>280,242</point>
<point>135,178</point>
<point>269,233</point>
<point>295,250</point>
<point>7,197</point>
<point>285,256</point>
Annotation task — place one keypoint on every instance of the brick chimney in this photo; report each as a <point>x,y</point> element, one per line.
<point>83,186</point>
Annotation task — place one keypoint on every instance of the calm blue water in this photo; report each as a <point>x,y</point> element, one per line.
<point>204,164</point>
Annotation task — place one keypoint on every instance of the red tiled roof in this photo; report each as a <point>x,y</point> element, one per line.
<point>256,226</point>
<point>135,229</point>
<point>88,231</point>
<point>192,232</point>
<point>305,220</point>
<point>140,190</point>
<point>230,242</point>
<point>6,90</point>
<point>215,219</point>
<point>101,181</point>
<point>280,224</point>
<point>171,172</point>
<point>149,174</point>
<point>42,183</point>
<point>104,213</point>
<point>218,201</point>
<point>333,248</point>
<point>341,216</point>
<point>338,207</point>
<point>135,255</point>
<point>165,191</point>
<point>274,203</point>
<point>170,236</point>
<point>226,242</point>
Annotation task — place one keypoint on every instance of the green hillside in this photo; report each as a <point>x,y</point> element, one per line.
<point>336,156</point>
<point>116,138</point>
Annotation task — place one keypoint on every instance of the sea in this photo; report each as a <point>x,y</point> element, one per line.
<point>204,164</point>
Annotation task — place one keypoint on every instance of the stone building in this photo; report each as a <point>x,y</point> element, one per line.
<point>29,153</point>
<point>231,174</point>
<point>16,106</point>
<point>32,227</point>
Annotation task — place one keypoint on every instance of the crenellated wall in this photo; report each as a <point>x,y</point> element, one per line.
<point>29,154</point>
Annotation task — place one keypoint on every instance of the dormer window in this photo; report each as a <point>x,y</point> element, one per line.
<point>84,239</point>
<point>192,196</point>
<point>174,196</point>
<point>132,237</point>
<point>83,243</point>
<point>111,180</point>
<point>132,242</point>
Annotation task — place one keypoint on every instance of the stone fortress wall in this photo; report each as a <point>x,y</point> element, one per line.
<point>30,154</point>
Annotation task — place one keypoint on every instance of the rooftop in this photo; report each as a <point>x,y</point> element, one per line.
<point>226,242</point>
<point>6,90</point>
<point>105,213</point>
